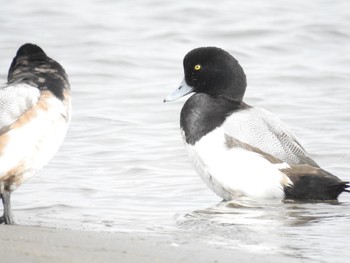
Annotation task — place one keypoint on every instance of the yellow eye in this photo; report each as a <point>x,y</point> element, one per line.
<point>197,67</point>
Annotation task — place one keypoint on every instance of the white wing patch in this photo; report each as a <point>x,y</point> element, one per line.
<point>15,100</point>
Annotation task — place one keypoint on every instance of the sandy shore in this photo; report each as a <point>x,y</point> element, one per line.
<point>39,244</point>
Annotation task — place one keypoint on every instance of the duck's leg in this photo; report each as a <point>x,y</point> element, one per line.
<point>7,218</point>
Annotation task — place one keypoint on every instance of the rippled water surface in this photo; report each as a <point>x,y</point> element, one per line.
<point>122,166</point>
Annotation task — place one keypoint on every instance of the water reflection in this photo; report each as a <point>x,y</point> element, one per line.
<point>286,228</point>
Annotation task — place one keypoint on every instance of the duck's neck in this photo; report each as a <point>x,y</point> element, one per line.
<point>202,114</point>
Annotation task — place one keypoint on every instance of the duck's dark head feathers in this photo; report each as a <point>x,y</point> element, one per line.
<point>214,71</point>
<point>32,66</point>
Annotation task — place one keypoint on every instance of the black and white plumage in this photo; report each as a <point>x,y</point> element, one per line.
<point>239,150</point>
<point>34,115</point>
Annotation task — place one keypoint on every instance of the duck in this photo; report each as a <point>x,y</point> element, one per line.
<point>35,111</point>
<point>239,150</point>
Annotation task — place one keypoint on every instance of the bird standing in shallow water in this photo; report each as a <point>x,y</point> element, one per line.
<point>34,116</point>
<point>239,150</point>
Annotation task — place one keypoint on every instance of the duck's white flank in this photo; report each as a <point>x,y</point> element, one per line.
<point>29,142</point>
<point>235,172</point>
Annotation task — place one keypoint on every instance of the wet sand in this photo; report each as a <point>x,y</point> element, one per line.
<point>40,244</point>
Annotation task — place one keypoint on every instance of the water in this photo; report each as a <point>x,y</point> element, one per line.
<point>122,166</point>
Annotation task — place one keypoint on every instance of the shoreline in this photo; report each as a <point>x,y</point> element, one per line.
<point>43,244</point>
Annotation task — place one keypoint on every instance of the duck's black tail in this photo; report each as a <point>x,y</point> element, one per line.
<point>313,183</point>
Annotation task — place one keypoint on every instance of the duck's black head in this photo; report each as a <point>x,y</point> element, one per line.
<point>30,50</point>
<point>32,66</point>
<point>215,72</point>
<point>212,71</point>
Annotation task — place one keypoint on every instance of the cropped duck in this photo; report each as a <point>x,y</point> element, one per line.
<point>34,116</point>
<point>239,150</point>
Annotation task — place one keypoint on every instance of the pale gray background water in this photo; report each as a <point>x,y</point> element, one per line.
<point>123,167</point>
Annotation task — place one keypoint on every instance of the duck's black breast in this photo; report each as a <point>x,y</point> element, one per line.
<point>203,113</point>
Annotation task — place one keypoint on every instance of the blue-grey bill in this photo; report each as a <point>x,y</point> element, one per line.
<point>181,91</point>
